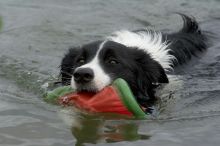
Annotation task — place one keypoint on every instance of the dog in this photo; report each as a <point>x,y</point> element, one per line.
<point>141,57</point>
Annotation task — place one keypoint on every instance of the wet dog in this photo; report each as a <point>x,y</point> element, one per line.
<point>141,57</point>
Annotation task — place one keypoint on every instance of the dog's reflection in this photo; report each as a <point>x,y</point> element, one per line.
<point>96,129</point>
<point>93,131</point>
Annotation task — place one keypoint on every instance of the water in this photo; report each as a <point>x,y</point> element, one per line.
<point>36,34</point>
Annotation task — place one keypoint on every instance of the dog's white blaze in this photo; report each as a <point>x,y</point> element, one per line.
<point>101,79</point>
<point>149,41</point>
<point>72,83</point>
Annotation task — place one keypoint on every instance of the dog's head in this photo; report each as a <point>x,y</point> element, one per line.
<point>96,65</point>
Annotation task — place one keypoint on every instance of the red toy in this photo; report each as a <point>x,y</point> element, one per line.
<point>116,98</point>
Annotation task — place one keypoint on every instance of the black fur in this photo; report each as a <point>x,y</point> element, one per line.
<point>70,60</point>
<point>188,42</point>
<point>137,68</point>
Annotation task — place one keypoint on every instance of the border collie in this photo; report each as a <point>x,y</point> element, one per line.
<point>141,57</point>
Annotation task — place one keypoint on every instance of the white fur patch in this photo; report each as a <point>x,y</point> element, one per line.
<point>149,41</point>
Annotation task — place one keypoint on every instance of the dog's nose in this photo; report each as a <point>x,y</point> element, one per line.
<point>83,75</point>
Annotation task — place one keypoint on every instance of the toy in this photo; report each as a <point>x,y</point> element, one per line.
<point>116,98</point>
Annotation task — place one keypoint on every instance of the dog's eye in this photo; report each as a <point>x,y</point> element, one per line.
<point>113,61</point>
<point>81,60</point>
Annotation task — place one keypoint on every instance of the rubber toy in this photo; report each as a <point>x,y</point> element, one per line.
<point>116,98</point>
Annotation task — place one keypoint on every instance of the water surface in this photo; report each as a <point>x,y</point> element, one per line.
<point>36,34</point>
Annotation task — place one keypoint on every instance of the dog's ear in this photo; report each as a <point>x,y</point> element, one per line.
<point>149,73</point>
<point>162,78</point>
<point>150,70</point>
<point>67,65</point>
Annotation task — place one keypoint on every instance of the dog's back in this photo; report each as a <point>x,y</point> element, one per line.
<point>188,42</point>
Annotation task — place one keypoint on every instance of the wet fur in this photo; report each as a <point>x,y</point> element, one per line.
<point>143,68</point>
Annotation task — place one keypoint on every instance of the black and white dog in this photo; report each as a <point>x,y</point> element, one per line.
<point>141,57</point>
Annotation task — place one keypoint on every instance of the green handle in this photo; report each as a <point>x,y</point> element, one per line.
<point>128,98</point>
<point>52,96</point>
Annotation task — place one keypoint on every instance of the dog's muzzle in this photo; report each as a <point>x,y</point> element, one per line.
<point>83,75</point>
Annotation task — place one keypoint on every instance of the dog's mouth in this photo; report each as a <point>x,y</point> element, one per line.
<point>92,90</point>
<point>87,88</point>
<point>91,87</point>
